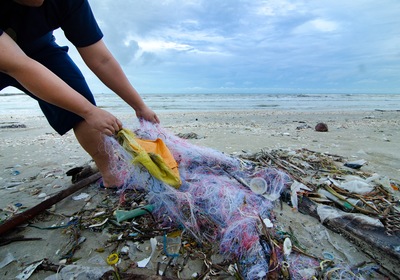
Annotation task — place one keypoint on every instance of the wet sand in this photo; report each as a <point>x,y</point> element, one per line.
<point>34,160</point>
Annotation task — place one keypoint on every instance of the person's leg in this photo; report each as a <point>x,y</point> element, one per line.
<point>94,144</point>
<point>92,141</point>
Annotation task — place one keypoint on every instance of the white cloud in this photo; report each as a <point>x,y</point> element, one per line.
<point>324,25</point>
<point>274,7</point>
<point>160,46</point>
<point>316,25</point>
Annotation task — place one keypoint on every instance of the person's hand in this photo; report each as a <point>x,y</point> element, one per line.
<point>147,114</point>
<point>103,121</point>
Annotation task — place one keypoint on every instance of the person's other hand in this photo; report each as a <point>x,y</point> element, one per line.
<point>103,121</point>
<point>147,114</point>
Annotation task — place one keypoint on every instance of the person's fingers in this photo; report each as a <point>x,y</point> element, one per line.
<point>119,125</point>
<point>115,127</point>
<point>108,132</point>
<point>156,119</point>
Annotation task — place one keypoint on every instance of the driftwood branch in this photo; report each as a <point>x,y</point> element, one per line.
<point>39,208</point>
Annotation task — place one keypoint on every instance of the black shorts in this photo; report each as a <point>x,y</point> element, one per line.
<point>57,60</point>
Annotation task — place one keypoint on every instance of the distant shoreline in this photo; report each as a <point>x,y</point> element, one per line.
<point>21,104</point>
<point>298,94</point>
<point>11,93</point>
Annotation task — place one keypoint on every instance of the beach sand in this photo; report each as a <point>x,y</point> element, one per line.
<point>34,160</point>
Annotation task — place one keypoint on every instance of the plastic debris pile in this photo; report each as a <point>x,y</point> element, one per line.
<point>217,204</point>
<point>220,223</point>
<point>332,182</point>
<point>214,204</point>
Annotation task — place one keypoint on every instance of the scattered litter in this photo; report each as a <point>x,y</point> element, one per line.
<point>326,212</point>
<point>328,256</point>
<point>287,247</point>
<point>355,164</point>
<point>321,127</point>
<point>295,188</point>
<point>222,215</point>
<point>355,186</point>
<point>122,215</point>
<point>82,196</point>
<point>190,135</point>
<point>258,185</point>
<point>9,258</point>
<point>268,223</point>
<point>113,260</point>
<point>11,185</point>
<point>99,224</point>
<point>15,172</point>
<point>42,195</point>
<point>172,245</point>
<point>14,125</point>
<point>28,271</point>
<point>79,272</point>
<point>144,262</point>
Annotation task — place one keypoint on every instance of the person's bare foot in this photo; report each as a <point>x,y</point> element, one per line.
<point>111,180</point>
<point>101,152</point>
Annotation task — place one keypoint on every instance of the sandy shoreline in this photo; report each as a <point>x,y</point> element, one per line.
<point>34,160</point>
<point>373,136</point>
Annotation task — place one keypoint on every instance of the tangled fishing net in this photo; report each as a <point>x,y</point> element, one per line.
<point>213,203</point>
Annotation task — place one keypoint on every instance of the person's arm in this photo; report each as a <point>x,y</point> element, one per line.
<point>103,64</point>
<point>47,86</point>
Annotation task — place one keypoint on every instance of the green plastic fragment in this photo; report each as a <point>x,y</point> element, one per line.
<point>123,215</point>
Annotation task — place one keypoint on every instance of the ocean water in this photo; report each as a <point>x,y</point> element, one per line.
<point>20,104</point>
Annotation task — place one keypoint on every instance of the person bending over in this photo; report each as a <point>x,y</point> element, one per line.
<point>31,61</point>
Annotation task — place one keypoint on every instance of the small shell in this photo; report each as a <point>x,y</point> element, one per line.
<point>125,250</point>
<point>268,223</point>
<point>42,195</point>
<point>99,224</point>
<point>287,246</point>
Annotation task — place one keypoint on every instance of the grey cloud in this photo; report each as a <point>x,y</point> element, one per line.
<point>254,42</point>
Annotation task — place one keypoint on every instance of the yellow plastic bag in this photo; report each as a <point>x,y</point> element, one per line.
<point>153,155</point>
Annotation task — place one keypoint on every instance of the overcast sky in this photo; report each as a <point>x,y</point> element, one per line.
<point>252,45</point>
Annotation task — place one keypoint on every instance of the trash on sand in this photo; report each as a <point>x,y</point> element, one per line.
<point>268,223</point>
<point>295,188</point>
<point>9,258</point>
<point>15,172</point>
<point>328,256</point>
<point>355,164</point>
<point>79,272</point>
<point>112,260</point>
<point>81,196</point>
<point>357,186</point>
<point>258,185</point>
<point>28,271</point>
<point>99,224</point>
<point>42,195</point>
<point>326,212</point>
<point>123,215</point>
<point>153,154</point>
<point>214,212</point>
<point>287,247</point>
<point>144,262</point>
<point>172,245</point>
<point>343,201</point>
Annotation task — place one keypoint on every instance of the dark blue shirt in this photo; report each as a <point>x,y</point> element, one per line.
<point>33,26</point>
